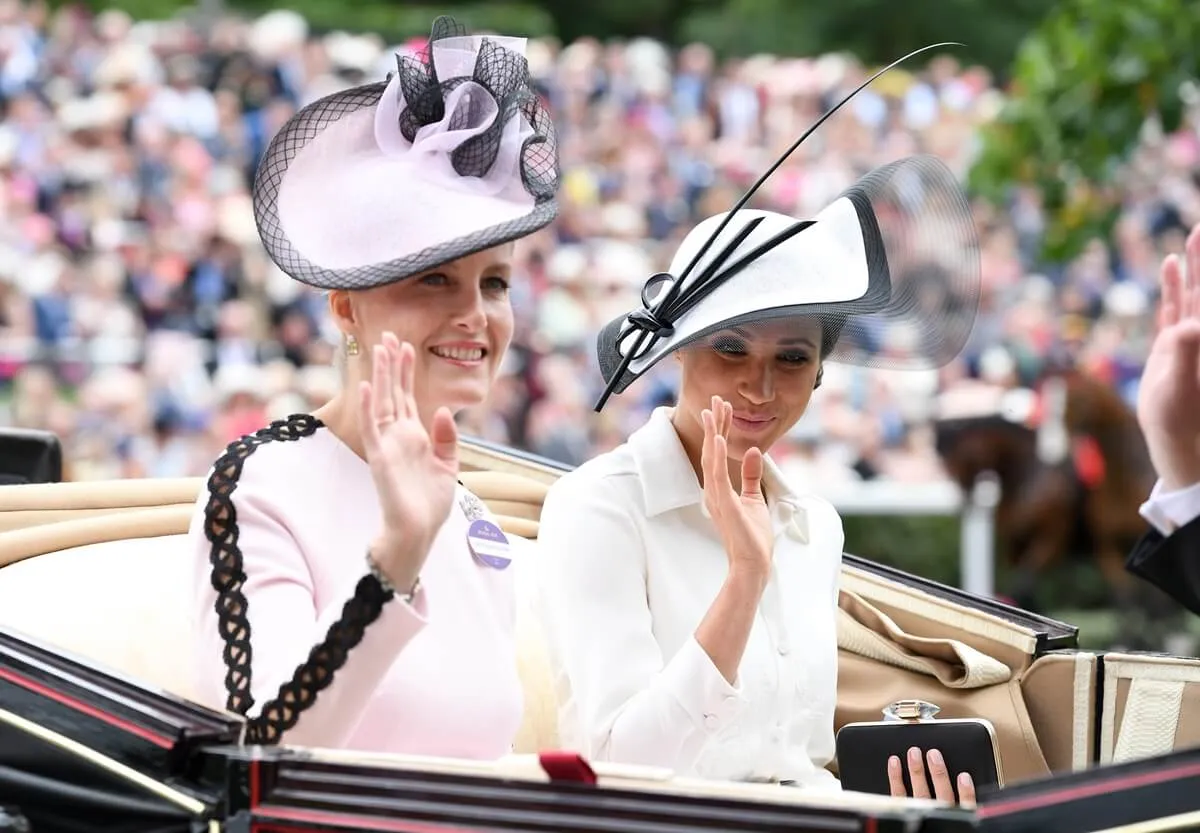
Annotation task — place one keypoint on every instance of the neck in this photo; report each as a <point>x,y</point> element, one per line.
<point>340,416</point>
<point>691,435</point>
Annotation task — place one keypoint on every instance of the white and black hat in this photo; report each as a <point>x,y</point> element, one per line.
<point>452,155</point>
<point>890,269</point>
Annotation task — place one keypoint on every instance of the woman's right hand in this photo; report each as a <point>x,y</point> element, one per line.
<point>415,471</point>
<point>743,521</point>
<point>943,789</point>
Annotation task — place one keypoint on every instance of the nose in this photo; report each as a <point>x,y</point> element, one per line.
<point>757,385</point>
<point>470,315</point>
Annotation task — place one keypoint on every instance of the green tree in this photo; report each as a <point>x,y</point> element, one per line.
<point>393,20</point>
<point>1084,85</point>
<point>877,32</point>
<point>622,18</point>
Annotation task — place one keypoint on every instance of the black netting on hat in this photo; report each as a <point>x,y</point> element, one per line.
<point>505,74</point>
<point>922,260</point>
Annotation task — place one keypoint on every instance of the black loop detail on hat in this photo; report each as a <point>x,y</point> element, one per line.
<point>651,320</point>
<point>653,282</point>
<point>648,321</point>
<point>505,75</point>
<point>656,320</point>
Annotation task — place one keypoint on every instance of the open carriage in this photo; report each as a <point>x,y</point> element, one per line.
<point>95,707</point>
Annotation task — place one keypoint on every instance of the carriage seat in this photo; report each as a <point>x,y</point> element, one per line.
<point>101,570</point>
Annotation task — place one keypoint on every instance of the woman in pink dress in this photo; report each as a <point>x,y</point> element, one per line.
<point>350,592</point>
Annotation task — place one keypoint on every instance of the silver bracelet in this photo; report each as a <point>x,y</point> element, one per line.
<point>386,583</point>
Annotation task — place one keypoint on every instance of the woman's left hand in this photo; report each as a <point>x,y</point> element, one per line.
<point>943,788</point>
<point>743,520</point>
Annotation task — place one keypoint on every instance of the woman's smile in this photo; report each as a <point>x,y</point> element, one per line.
<point>751,423</point>
<point>468,354</point>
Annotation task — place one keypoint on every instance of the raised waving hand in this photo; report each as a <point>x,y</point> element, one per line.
<point>415,469</point>
<point>1169,394</point>
<point>742,520</point>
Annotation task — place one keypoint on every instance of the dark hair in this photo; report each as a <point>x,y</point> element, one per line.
<point>831,331</point>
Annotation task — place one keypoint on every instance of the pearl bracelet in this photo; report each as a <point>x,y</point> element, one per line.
<point>386,583</point>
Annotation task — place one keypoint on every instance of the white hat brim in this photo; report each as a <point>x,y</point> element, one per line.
<point>343,201</point>
<point>899,249</point>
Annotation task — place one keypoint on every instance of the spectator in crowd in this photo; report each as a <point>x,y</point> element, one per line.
<point>130,266</point>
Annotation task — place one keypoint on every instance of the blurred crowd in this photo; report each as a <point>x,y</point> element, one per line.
<point>141,321</point>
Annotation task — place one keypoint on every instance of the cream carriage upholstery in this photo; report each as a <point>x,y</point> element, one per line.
<point>98,569</point>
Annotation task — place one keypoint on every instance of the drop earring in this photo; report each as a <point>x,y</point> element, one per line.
<point>820,376</point>
<point>351,346</point>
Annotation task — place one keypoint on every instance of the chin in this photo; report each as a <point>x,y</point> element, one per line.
<point>739,445</point>
<point>460,396</point>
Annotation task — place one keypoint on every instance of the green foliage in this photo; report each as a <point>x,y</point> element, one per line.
<point>1084,84</point>
<point>392,20</point>
<point>930,547</point>
<point>621,18</point>
<point>925,546</point>
<point>877,32</point>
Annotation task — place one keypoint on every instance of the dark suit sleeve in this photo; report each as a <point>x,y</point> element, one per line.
<point>1172,564</point>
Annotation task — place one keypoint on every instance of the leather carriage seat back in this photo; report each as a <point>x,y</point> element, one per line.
<point>85,566</point>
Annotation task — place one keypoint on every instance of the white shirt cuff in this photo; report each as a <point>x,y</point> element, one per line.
<point>703,692</point>
<point>1168,511</point>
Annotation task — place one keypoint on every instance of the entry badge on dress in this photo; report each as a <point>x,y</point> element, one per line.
<point>487,542</point>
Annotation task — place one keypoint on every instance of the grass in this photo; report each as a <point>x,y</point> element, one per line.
<point>1101,629</point>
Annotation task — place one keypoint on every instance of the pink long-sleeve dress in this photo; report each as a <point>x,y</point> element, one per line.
<point>292,631</point>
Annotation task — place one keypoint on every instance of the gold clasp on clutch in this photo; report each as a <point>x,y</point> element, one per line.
<point>912,711</point>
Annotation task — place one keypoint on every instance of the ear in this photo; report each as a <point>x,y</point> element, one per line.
<point>342,311</point>
<point>820,376</point>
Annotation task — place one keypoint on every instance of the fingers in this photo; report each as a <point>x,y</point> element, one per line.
<point>1187,357</point>
<point>714,460</point>
<point>443,435</point>
<point>916,774</point>
<point>1190,279</point>
<point>943,788</point>
<point>722,413</point>
<point>718,464</point>
<point>393,379</point>
<point>382,387</point>
<point>710,433</point>
<point>403,360</point>
<point>405,395</point>
<point>1171,292</point>
<point>966,790</point>
<point>942,785</point>
<point>367,419</point>
<point>752,474</point>
<point>896,778</point>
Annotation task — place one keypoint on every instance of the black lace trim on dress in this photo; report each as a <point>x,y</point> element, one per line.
<point>229,578</point>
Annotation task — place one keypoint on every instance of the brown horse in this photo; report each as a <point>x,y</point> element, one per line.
<point>1072,476</point>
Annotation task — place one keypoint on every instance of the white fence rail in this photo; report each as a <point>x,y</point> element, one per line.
<point>977,510</point>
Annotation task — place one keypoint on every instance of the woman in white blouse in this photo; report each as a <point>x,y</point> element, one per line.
<point>690,591</point>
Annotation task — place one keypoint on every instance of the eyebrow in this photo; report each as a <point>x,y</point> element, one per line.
<point>446,270</point>
<point>805,340</point>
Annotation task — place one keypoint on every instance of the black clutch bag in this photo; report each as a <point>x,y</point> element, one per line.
<point>967,745</point>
